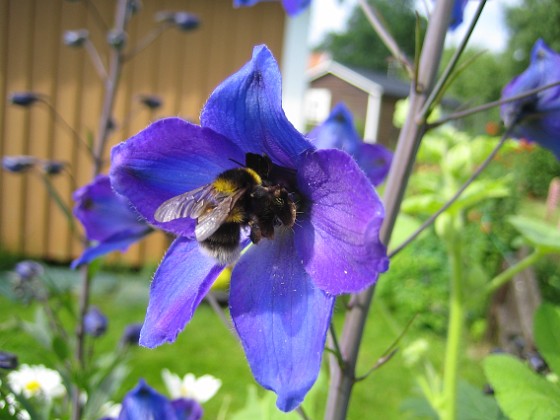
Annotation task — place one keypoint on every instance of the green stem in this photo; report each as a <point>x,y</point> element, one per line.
<point>454,334</point>
<point>508,274</point>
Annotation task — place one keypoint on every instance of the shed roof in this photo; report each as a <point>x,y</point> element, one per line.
<point>369,81</point>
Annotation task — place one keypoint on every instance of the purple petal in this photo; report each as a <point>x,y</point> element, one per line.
<point>104,213</point>
<point>187,409</point>
<point>247,108</point>
<point>537,117</point>
<point>375,160</point>
<point>169,158</point>
<point>338,132</point>
<point>294,7</point>
<point>118,242</point>
<point>180,283</point>
<point>457,14</point>
<point>337,237</point>
<point>143,402</point>
<point>281,318</point>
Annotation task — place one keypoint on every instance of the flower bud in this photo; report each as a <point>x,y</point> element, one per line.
<point>24,98</point>
<point>8,360</point>
<point>28,269</point>
<point>95,323</point>
<point>183,20</point>
<point>18,164</point>
<point>117,39</point>
<point>75,38</point>
<point>131,335</point>
<point>151,101</point>
<point>53,167</point>
<point>186,21</point>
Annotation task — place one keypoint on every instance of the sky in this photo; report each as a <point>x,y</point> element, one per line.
<point>490,32</point>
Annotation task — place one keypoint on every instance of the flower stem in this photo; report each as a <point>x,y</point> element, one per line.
<point>377,22</point>
<point>454,332</point>
<point>342,380</point>
<point>508,274</point>
<point>111,82</point>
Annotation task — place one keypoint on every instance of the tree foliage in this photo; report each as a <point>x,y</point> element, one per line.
<point>527,22</point>
<point>361,47</point>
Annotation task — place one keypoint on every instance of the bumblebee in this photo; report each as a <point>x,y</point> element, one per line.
<point>238,198</point>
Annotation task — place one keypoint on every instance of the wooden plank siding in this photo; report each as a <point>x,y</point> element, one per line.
<point>181,68</point>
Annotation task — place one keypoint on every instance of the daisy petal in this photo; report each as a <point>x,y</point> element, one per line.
<point>337,237</point>
<point>281,318</point>
<point>167,159</point>
<point>177,289</point>
<point>247,108</point>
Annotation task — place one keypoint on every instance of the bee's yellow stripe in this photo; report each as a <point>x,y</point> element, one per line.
<point>225,186</point>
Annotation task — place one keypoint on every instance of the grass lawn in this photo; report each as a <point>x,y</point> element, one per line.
<point>206,346</point>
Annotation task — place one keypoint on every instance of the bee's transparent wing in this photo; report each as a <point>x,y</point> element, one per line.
<point>190,204</point>
<point>210,221</point>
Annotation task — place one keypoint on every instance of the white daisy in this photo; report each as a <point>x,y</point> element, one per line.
<point>36,380</point>
<point>200,390</point>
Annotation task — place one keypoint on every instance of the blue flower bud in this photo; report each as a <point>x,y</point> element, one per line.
<point>183,20</point>
<point>75,38</point>
<point>27,270</point>
<point>95,323</point>
<point>186,21</point>
<point>18,164</point>
<point>117,39</point>
<point>8,360</point>
<point>53,167</point>
<point>131,335</point>
<point>151,101</point>
<point>24,98</point>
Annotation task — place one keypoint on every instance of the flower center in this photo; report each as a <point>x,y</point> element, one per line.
<point>271,202</point>
<point>33,386</point>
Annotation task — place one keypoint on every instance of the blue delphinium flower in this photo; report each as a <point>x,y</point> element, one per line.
<point>457,14</point>
<point>95,323</point>
<point>283,287</point>
<point>107,218</point>
<point>143,402</point>
<point>338,132</point>
<point>292,7</point>
<point>536,117</point>
<point>131,335</point>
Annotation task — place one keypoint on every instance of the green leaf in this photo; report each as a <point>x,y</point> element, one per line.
<point>474,404</point>
<point>60,348</point>
<point>547,335</point>
<point>543,236</point>
<point>521,393</point>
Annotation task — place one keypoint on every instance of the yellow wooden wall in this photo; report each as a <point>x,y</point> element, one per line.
<point>182,68</point>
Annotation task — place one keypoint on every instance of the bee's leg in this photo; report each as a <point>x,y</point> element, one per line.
<point>256,233</point>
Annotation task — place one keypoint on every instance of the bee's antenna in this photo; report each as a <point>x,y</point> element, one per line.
<point>234,161</point>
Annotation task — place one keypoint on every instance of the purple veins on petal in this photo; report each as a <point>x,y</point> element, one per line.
<point>338,237</point>
<point>247,108</point>
<point>536,117</point>
<point>280,317</point>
